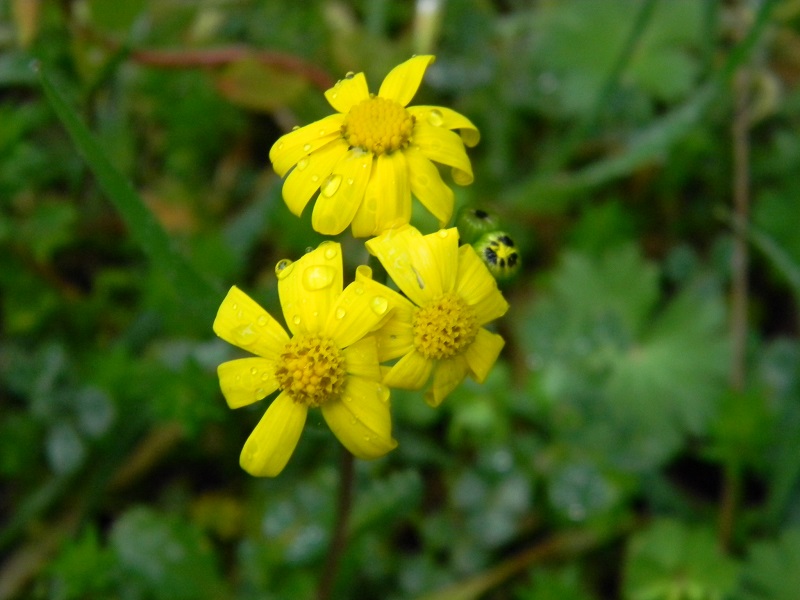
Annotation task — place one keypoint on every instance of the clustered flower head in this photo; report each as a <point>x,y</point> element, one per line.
<point>348,346</point>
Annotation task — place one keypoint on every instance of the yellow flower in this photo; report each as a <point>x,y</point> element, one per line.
<point>369,158</point>
<point>452,295</point>
<point>330,361</point>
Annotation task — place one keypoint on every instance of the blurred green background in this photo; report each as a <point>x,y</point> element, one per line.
<point>639,437</point>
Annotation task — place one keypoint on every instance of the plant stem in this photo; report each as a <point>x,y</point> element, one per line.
<point>339,537</point>
<point>740,131</point>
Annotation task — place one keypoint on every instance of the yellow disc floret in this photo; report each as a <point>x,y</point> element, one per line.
<point>311,370</point>
<point>378,125</point>
<point>444,327</point>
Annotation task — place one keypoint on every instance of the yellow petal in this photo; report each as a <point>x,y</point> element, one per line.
<point>274,439</point>
<point>475,284</point>
<point>246,380</point>
<point>342,192</point>
<point>440,116</point>
<point>403,81</point>
<point>410,372</point>
<point>445,147</point>
<point>305,179</point>
<point>308,288</point>
<point>358,310</point>
<point>427,185</point>
<point>297,144</point>
<point>482,354</point>
<point>387,200</point>
<point>448,375</point>
<point>408,260</point>
<point>361,359</point>
<point>444,250</point>
<point>394,335</point>
<point>348,92</point>
<point>242,322</point>
<point>361,418</point>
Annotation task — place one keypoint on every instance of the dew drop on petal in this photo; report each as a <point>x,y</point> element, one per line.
<point>264,376</point>
<point>302,164</point>
<point>330,251</point>
<point>262,320</point>
<point>359,290</point>
<point>315,178</point>
<point>340,313</point>
<point>307,148</point>
<point>296,319</point>
<point>379,305</point>
<point>295,128</point>
<point>443,233</point>
<point>383,394</point>
<point>349,75</point>
<point>235,306</point>
<point>283,268</point>
<point>435,118</point>
<point>321,132</point>
<point>331,185</point>
<point>253,371</point>
<point>280,145</point>
<point>244,335</point>
<point>318,277</point>
<point>350,181</point>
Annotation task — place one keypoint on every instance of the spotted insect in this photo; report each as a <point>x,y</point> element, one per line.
<point>473,223</point>
<point>500,254</point>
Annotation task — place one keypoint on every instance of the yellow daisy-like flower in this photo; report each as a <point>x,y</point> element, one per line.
<point>330,361</point>
<point>368,159</point>
<point>439,328</point>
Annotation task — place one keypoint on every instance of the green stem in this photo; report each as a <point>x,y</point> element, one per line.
<point>339,538</point>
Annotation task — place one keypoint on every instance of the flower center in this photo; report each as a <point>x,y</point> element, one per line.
<point>444,327</point>
<point>311,369</point>
<point>378,125</point>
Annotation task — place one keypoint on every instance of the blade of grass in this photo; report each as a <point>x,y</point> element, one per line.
<point>200,294</point>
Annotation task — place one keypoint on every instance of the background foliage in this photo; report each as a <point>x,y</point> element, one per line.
<point>623,447</point>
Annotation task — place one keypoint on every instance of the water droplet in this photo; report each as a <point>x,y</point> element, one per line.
<point>253,371</point>
<point>379,305</point>
<point>235,306</point>
<point>244,335</point>
<point>353,421</point>
<point>333,95</point>
<point>321,132</point>
<point>315,178</point>
<point>330,251</point>
<point>383,394</point>
<point>261,392</point>
<point>318,277</point>
<point>283,268</point>
<point>295,128</point>
<point>262,320</point>
<point>350,181</point>
<point>280,146</point>
<point>367,438</point>
<point>443,233</point>
<point>349,75</point>
<point>264,376</point>
<point>340,313</point>
<point>331,185</point>
<point>435,118</point>
<point>359,290</point>
<point>302,164</point>
<point>348,398</point>
<point>296,319</point>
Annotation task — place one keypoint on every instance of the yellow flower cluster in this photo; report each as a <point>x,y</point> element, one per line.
<point>347,346</point>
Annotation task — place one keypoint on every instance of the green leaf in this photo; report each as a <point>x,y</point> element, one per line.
<point>672,560</point>
<point>199,294</point>
<point>772,570</point>
<point>164,557</point>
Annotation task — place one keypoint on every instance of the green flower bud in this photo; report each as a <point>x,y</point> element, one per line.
<point>498,251</point>
<point>472,223</point>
